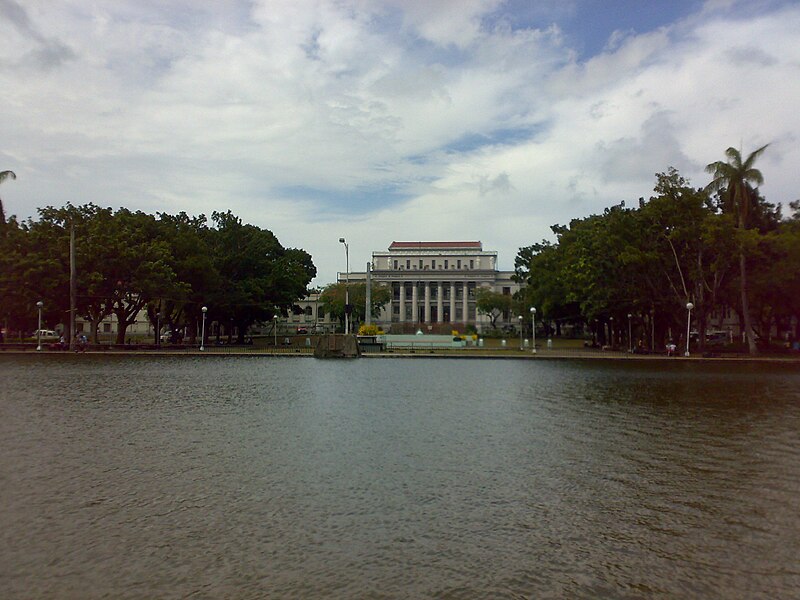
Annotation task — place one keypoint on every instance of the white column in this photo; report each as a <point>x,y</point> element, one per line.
<point>452,301</point>
<point>427,301</point>
<point>439,303</point>
<point>402,302</point>
<point>464,305</point>
<point>414,303</point>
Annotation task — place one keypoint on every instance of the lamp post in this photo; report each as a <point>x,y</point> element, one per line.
<point>275,329</point>
<point>39,305</point>
<point>203,331</point>
<point>346,285</point>
<point>630,339</point>
<point>158,330</point>
<point>520,332</point>
<point>533,328</point>
<point>689,307</point>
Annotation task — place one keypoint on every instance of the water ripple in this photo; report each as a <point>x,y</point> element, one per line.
<point>231,477</point>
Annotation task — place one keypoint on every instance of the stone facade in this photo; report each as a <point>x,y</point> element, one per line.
<point>434,285</point>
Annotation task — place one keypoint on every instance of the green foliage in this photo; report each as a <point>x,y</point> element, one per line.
<point>732,180</point>
<point>333,300</point>
<point>492,304</point>
<point>370,330</point>
<point>648,262</point>
<point>127,261</point>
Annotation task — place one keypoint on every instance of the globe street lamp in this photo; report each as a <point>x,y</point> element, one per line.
<point>275,330</point>
<point>39,305</point>
<point>520,332</point>
<point>533,328</point>
<point>346,286</point>
<point>203,332</point>
<point>689,307</point>
<point>630,339</point>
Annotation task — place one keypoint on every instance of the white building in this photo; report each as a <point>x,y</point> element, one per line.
<point>310,319</point>
<point>434,284</point>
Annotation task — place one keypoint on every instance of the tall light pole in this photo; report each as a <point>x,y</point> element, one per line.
<point>520,331</point>
<point>533,328</point>
<point>346,285</point>
<point>203,332</point>
<point>630,339</point>
<point>275,329</point>
<point>689,307</point>
<point>158,330</point>
<point>39,305</point>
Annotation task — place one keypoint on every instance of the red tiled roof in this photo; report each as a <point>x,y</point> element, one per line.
<point>435,245</point>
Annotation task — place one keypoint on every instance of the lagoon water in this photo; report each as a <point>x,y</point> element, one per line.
<point>255,477</point>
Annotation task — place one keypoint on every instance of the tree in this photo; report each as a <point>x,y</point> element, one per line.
<point>733,179</point>
<point>332,299</point>
<point>3,176</point>
<point>492,304</point>
<point>190,258</point>
<point>129,261</point>
<point>258,275</point>
<point>687,246</point>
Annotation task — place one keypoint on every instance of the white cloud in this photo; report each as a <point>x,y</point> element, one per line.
<point>286,111</point>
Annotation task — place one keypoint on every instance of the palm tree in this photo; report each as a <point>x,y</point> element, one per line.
<point>734,179</point>
<point>3,176</point>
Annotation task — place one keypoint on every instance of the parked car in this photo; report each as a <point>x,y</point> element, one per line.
<point>46,334</point>
<point>717,338</point>
<point>167,336</point>
<point>302,330</point>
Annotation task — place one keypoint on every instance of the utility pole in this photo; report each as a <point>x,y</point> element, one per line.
<point>73,287</point>
<point>367,311</point>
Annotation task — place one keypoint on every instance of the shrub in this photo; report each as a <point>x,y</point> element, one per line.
<point>370,330</point>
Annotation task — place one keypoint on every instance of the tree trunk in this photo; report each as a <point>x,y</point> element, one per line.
<point>748,329</point>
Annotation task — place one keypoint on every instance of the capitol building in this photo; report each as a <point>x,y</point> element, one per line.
<point>434,285</point>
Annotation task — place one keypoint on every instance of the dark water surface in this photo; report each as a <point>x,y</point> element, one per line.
<point>253,477</point>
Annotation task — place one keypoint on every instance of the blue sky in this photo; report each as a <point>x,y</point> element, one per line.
<point>382,120</point>
<point>588,25</point>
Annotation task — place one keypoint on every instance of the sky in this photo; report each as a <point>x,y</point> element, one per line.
<point>390,120</point>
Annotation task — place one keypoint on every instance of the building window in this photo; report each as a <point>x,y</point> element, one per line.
<point>80,327</point>
<point>471,264</point>
<point>309,311</point>
<point>106,327</point>
<point>506,291</point>
<point>458,264</point>
<point>420,263</point>
<point>395,265</point>
<point>408,264</point>
<point>433,263</point>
